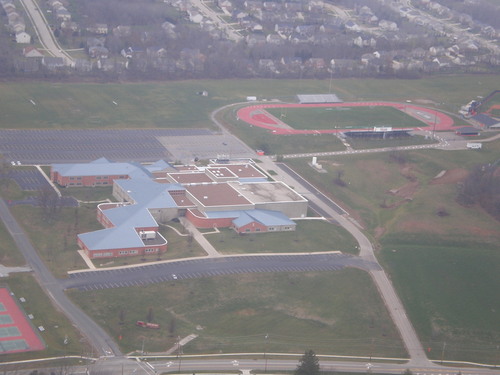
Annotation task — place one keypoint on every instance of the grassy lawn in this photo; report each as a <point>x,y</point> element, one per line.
<point>445,268</point>
<point>170,104</point>
<point>310,236</point>
<point>55,239</point>
<point>56,325</point>
<point>86,194</point>
<point>10,256</point>
<point>449,291</point>
<point>329,312</point>
<point>362,143</point>
<point>345,117</point>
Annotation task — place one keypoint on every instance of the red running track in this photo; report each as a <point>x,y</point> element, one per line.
<point>258,116</point>
<point>20,321</point>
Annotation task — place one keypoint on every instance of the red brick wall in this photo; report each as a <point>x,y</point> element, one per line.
<point>203,222</point>
<point>252,228</point>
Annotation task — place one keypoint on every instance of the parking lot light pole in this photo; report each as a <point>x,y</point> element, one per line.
<point>265,352</point>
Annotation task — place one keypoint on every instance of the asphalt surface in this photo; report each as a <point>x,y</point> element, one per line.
<point>139,145</point>
<point>210,267</point>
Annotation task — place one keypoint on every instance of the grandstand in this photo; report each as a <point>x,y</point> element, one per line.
<point>318,98</point>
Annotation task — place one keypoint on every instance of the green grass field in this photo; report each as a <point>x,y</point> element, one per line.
<point>310,236</point>
<point>344,118</point>
<point>329,312</point>
<point>456,281</point>
<point>175,104</point>
<point>445,268</point>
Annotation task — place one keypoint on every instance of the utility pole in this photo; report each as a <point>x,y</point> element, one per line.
<point>442,354</point>
<point>179,351</point>
<point>265,352</point>
<point>371,349</point>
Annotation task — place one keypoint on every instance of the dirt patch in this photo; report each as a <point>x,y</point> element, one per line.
<point>329,162</point>
<point>379,232</point>
<point>246,312</point>
<point>451,176</point>
<point>425,101</point>
<point>302,313</point>
<point>406,191</point>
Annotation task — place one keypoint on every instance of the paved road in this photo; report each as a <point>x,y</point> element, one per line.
<point>44,32</point>
<point>95,335</point>
<point>239,363</point>
<point>209,267</point>
<point>207,12</point>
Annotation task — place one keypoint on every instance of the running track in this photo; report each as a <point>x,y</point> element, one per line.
<point>258,116</point>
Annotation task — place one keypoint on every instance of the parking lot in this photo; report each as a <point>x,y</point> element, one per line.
<point>29,179</point>
<point>74,146</point>
<point>209,267</point>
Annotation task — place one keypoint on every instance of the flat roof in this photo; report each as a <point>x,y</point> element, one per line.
<point>182,201</point>
<point>319,98</point>
<point>221,194</point>
<point>221,172</point>
<point>263,192</point>
<point>242,170</point>
<point>190,178</point>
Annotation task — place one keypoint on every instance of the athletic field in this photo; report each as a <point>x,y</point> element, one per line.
<point>344,117</point>
<point>333,118</point>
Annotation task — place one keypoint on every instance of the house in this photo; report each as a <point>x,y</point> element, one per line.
<point>69,25</point>
<point>98,28</point>
<point>169,29</point>
<point>31,52</point>
<point>352,26</point>
<point>83,65</point>
<point>124,31</point>
<point>53,63</point>
<point>23,38</point>
<point>96,52</point>
<point>63,14</point>
<point>388,25</point>
<point>194,15</point>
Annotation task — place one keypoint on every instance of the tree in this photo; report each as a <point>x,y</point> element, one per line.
<point>150,315</point>
<point>308,364</point>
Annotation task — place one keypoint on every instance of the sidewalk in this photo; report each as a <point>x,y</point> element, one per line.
<point>200,238</point>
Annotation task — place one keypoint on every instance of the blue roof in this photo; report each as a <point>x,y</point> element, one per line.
<point>265,217</point>
<point>111,238</point>
<point>100,167</point>
<point>485,119</point>
<point>160,165</point>
<point>147,194</point>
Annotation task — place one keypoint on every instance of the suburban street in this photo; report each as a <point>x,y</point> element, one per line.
<point>44,32</point>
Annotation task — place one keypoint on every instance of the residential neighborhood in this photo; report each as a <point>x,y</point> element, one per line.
<point>253,38</point>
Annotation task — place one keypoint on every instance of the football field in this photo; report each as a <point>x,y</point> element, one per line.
<point>345,117</point>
